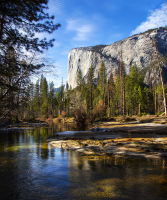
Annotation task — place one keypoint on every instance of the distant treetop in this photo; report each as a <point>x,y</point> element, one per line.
<point>98,48</point>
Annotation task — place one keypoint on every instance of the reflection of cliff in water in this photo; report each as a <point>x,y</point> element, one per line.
<point>117,178</point>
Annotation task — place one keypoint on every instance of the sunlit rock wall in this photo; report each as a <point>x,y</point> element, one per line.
<point>137,49</point>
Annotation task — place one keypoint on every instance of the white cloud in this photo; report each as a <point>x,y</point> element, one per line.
<point>56,7</point>
<point>157,18</point>
<point>82,29</point>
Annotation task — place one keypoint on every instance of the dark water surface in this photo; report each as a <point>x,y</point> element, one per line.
<point>31,169</point>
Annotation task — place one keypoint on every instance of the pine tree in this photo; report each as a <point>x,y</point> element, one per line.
<point>117,97</point>
<point>44,89</point>
<point>102,79</point>
<point>61,96</point>
<point>37,97</point>
<point>19,21</point>
<point>79,79</point>
<point>51,97</point>
<point>111,92</point>
<point>44,96</point>
<point>83,93</point>
<point>90,85</point>
<point>132,83</point>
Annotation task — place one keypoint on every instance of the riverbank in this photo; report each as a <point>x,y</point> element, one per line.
<point>132,139</point>
<point>21,125</point>
<point>119,147</point>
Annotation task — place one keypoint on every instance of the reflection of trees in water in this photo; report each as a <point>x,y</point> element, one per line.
<point>41,134</point>
<point>79,127</point>
<point>117,176</point>
<point>61,127</point>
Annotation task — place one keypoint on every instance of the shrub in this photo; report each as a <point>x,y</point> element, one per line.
<point>68,115</point>
<point>80,115</point>
<point>63,113</point>
<point>101,109</point>
<point>91,117</point>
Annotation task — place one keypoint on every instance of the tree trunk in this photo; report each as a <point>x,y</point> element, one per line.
<point>139,110</point>
<point>109,109</point>
<point>155,100</point>
<point>161,79</point>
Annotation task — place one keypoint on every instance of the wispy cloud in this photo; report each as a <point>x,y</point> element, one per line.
<point>83,29</point>
<point>156,19</point>
<point>56,7</point>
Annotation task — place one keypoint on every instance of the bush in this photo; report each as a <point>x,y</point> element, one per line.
<point>91,117</point>
<point>68,115</point>
<point>80,115</point>
<point>63,113</point>
<point>101,109</point>
<point>144,114</point>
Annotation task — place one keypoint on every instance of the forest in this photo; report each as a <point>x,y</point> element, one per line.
<point>115,94</point>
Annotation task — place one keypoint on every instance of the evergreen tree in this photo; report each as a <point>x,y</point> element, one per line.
<point>83,93</point>
<point>79,79</point>
<point>102,79</point>
<point>90,85</point>
<point>30,17</point>
<point>44,96</point>
<point>132,89</point>
<point>117,97</point>
<point>111,93</point>
<point>44,89</point>
<point>41,84</point>
<point>51,97</point>
<point>37,98</point>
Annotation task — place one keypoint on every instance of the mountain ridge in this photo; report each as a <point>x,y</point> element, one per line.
<point>138,48</point>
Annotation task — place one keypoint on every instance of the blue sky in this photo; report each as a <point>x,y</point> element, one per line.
<point>93,22</point>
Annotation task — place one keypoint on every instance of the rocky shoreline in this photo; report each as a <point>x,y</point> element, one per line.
<point>21,125</point>
<point>129,141</point>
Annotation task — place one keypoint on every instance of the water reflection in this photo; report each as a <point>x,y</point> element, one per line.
<point>117,178</point>
<point>31,169</point>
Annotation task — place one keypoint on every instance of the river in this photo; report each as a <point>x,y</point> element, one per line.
<point>32,169</point>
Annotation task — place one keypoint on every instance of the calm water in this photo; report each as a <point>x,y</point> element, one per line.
<point>31,169</point>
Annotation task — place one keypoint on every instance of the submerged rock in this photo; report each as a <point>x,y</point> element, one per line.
<point>100,130</point>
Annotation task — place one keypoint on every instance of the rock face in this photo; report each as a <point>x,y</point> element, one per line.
<point>137,49</point>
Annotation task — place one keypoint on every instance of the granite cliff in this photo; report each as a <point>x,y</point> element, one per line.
<point>137,49</point>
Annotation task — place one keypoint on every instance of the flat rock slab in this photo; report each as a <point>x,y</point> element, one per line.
<point>141,128</point>
<point>134,140</point>
<point>136,147</point>
<point>86,134</point>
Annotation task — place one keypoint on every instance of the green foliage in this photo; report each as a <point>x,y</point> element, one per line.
<point>16,68</point>
<point>79,79</point>
<point>90,86</point>
<point>55,115</point>
<point>98,48</point>
<point>44,108</point>
<point>102,80</point>
<point>134,90</point>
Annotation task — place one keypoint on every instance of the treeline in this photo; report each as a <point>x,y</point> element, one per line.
<point>118,94</point>
<point>114,95</point>
<point>43,101</point>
